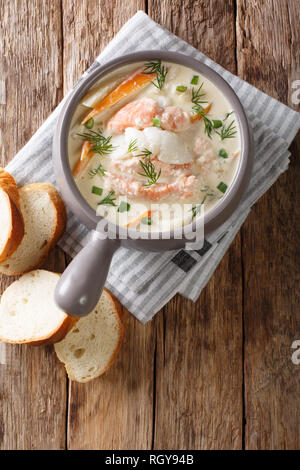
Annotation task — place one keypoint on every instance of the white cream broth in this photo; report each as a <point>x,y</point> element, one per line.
<point>156,127</point>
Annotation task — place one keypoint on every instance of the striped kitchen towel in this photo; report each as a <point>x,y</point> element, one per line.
<point>144,282</point>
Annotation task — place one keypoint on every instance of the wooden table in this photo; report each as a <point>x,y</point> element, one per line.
<point>212,375</point>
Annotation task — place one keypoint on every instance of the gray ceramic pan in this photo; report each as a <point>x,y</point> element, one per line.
<point>81,285</point>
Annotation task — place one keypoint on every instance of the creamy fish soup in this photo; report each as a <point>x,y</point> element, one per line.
<point>154,145</point>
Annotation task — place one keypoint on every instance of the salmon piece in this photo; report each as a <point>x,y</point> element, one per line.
<point>202,145</point>
<point>131,166</point>
<point>206,157</point>
<point>138,114</point>
<point>184,186</point>
<point>134,82</point>
<point>175,119</point>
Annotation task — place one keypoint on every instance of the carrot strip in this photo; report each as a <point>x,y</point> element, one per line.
<point>84,158</point>
<point>85,149</point>
<point>139,218</point>
<point>236,154</point>
<point>198,117</point>
<point>127,87</point>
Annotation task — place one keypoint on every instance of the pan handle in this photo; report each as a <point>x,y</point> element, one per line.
<point>82,283</point>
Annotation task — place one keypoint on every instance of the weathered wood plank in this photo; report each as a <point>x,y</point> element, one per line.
<point>199,366</point>
<point>199,346</point>
<point>268,48</point>
<point>116,410</point>
<point>209,26</point>
<point>88,26</point>
<point>32,387</point>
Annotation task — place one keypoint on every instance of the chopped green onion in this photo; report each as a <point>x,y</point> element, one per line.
<point>156,121</point>
<point>96,190</point>
<point>223,153</point>
<point>124,207</point>
<point>195,80</point>
<point>181,88</point>
<point>217,123</point>
<point>146,220</point>
<point>90,124</point>
<point>222,187</point>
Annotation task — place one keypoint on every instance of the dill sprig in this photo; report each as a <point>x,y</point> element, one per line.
<point>197,107</point>
<point>227,132</point>
<point>100,143</point>
<point>227,115</point>
<point>197,208</point>
<point>196,99</point>
<point>208,124</point>
<point>132,147</point>
<point>207,190</point>
<point>210,193</point>
<point>109,200</point>
<point>155,66</point>
<point>145,153</point>
<point>99,170</point>
<point>148,168</point>
<point>149,172</point>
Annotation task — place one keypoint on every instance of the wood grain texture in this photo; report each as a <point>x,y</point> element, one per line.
<point>115,411</point>
<point>267,35</point>
<point>199,361</point>
<point>88,27</point>
<point>207,25</point>
<point>199,366</point>
<point>32,388</point>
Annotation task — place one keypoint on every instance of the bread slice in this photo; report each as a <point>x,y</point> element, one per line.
<point>44,215</point>
<point>11,219</point>
<point>92,345</point>
<point>28,313</point>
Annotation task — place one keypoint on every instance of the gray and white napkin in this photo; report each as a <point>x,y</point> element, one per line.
<point>145,282</point>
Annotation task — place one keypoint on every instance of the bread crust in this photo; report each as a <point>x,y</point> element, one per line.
<point>9,189</point>
<point>54,336</point>
<point>58,334</point>
<point>8,184</point>
<point>118,314</point>
<point>58,229</point>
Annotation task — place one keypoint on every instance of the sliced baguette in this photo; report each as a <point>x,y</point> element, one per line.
<point>92,345</point>
<point>44,215</point>
<point>11,219</point>
<point>28,313</point>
